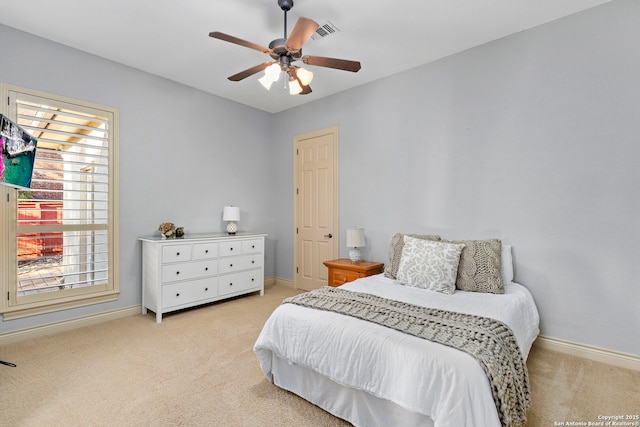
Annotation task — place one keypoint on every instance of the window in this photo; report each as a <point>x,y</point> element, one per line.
<point>60,237</point>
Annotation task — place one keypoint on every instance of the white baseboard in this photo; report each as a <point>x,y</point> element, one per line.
<point>66,325</point>
<point>283,282</point>
<point>610,357</point>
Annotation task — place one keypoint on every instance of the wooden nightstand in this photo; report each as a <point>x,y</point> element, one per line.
<point>343,270</point>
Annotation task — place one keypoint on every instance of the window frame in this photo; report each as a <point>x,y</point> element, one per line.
<point>12,305</point>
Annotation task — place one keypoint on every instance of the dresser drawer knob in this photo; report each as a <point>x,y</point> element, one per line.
<point>177,253</point>
<point>231,249</point>
<point>230,265</point>
<point>253,262</point>
<point>206,251</point>
<point>206,289</point>
<point>178,295</point>
<point>206,269</point>
<point>177,272</point>
<point>252,279</point>
<point>253,246</point>
<point>230,284</point>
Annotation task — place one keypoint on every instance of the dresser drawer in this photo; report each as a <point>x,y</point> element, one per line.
<point>205,251</point>
<point>230,248</point>
<point>182,293</point>
<point>189,270</point>
<point>252,246</point>
<point>176,253</point>
<point>237,282</point>
<point>231,264</point>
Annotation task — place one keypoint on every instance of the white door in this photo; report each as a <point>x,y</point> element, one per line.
<point>315,206</point>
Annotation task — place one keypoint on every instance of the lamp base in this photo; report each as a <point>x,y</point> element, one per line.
<point>354,255</point>
<point>232,227</point>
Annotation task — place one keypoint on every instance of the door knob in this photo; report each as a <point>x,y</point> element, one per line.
<point>328,236</point>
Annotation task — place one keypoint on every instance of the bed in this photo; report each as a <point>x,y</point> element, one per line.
<point>372,375</point>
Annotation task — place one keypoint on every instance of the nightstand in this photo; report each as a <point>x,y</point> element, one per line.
<point>343,270</point>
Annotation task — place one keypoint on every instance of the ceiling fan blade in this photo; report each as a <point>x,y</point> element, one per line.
<point>249,72</point>
<point>339,64</point>
<point>305,90</point>
<point>232,39</point>
<point>301,32</point>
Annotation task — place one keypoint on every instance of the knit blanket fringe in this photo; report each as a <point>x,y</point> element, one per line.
<point>491,342</point>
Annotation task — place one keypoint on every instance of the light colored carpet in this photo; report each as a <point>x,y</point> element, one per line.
<point>197,368</point>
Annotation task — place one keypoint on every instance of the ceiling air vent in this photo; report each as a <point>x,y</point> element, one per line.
<point>324,30</point>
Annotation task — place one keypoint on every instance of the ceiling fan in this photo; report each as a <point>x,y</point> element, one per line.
<point>285,51</point>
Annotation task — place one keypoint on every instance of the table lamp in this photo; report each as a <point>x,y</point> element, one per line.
<point>231,214</point>
<point>355,240</point>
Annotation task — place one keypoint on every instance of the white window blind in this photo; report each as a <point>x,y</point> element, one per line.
<point>64,224</point>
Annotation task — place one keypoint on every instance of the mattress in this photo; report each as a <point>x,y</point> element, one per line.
<point>419,376</point>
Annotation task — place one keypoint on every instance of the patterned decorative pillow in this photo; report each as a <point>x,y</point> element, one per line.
<point>429,264</point>
<point>480,267</point>
<point>395,253</point>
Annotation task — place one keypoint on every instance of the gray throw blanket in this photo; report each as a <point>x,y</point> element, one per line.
<point>491,342</point>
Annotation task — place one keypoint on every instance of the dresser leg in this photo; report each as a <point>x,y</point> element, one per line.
<point>158,317</point>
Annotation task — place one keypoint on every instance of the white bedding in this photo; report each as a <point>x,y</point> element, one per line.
<point>443,383</point>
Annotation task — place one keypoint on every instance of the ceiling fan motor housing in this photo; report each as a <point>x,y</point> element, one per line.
<point>278,50</point>
<point>285,5</point>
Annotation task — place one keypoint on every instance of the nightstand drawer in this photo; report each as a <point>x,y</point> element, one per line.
<point>344,270</point>
<point>340,277</point>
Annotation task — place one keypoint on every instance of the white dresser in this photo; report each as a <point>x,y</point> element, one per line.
<point>198,269</point>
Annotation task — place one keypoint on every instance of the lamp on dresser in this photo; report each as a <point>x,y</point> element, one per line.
<point>231,214</point>
<point>355,241</point>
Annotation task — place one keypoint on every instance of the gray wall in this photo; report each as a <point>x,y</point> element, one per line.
<point>184,154</point>
<point>533,139</point>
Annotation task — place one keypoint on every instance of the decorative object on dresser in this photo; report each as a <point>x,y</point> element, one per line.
<point>199,269</point>
<point>344,270</point>
<point>167,230</point>
<point>231,214</point>
<point>355,241</point>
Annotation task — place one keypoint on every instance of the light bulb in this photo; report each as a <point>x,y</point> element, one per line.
<point>273,71</point>
<point>294,87</point>
<point>305,76</point>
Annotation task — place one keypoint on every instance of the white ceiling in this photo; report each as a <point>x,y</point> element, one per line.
<point>170,38</point>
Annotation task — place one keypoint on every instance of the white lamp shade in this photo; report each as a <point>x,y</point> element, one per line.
<point>231,213</point>
<point>266,82</point>
<point>305,76</point>
<point>273,71</point>
<point>294,87</point>
<point>355,238</point>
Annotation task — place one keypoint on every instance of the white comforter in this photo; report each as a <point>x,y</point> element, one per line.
<point>443,383</point>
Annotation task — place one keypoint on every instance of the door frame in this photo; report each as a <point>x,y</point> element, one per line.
<point>296,200</point>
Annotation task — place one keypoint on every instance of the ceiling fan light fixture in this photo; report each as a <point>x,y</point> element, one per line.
<point>273,72</point>
<point>305,76</point>
<point>266,82</point>
<point>294,86</point>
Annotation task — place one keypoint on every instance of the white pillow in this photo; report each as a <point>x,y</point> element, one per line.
<point>429,265</point>
<point>506,264</point>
